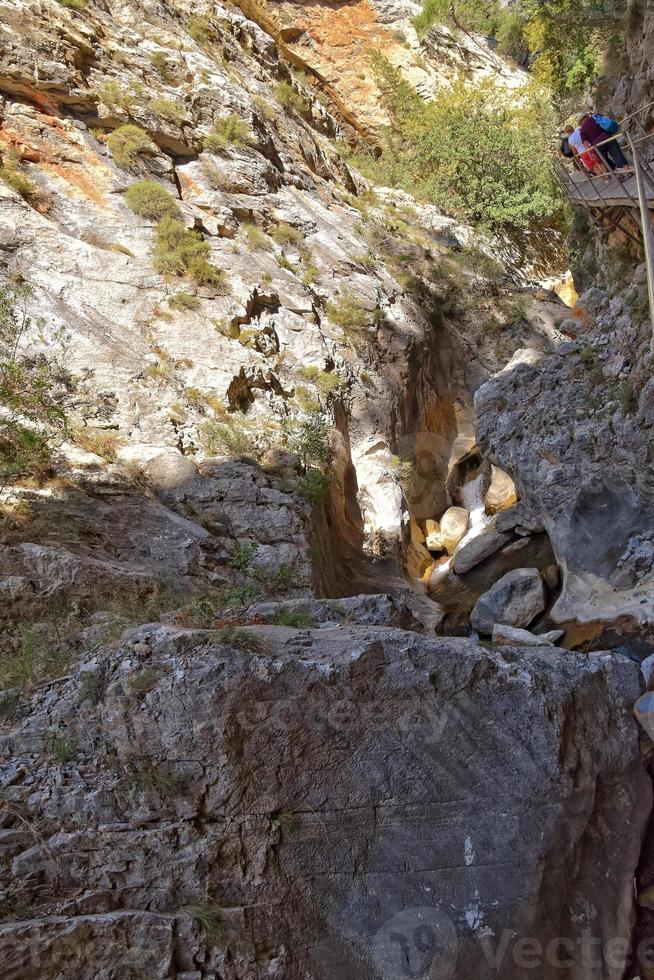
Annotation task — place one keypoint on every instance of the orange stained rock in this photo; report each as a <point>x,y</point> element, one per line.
<point>333,42</point>
<point>89,178</point>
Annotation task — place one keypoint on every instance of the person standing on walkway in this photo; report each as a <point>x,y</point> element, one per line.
<point>589,158</point>
<point>592,134</point>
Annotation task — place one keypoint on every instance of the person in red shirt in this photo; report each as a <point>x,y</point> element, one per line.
<point>592,134</point>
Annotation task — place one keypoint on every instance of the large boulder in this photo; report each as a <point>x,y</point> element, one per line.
<point>472,552</point>
<point>515,600</point>
<point>314,795</point>
<point>454,524</point>
<point>452,528</point>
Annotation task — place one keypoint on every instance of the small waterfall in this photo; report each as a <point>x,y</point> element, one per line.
<point>472,494</point>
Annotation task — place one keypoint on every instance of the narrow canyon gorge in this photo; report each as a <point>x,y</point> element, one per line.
<point>326,602</point>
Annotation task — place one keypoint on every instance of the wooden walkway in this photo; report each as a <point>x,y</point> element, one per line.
<point>607,191</point>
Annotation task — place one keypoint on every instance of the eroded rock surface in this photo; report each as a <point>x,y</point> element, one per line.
<point>308,790</point>
<point>575,432</point>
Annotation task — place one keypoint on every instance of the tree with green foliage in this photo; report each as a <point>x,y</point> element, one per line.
<point>569,39</point>
<point>474,151</point>
<point>564,41</point>
<point>35,388</point>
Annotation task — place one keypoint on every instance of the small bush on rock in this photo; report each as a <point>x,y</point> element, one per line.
<point>18,181</point>
<point>229,438</point>
<point>170,110</point>
<point>126,143</point>
<point>314,485</point>
<point>150,200</point>
<point>309,437</point>
<point>242,639</point>
<point>180,252</point>
<point>183,301</point>
<point>231,130</point>
<point>35,389</point>
<point>290,99</point>
<point>298,618</point>
<point>348,314</point>
<point>199,28</point>
<point>285,234</point>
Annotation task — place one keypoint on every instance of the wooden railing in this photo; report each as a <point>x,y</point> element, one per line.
<point>618,196</point>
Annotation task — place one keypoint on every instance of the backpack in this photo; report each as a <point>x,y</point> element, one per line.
<point>606,123</point>
<point>564,147</point>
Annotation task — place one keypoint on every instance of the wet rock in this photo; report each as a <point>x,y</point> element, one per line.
<point>515,600</point>
<point>473,552</point>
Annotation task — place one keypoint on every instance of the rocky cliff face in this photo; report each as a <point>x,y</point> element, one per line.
<point>187,808</point>
<point>298,421</point>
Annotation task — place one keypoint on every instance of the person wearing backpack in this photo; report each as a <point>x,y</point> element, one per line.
<point>589,158</point>
<point>597,128</point>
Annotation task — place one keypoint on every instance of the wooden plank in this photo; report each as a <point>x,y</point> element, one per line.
<point>605,191</point>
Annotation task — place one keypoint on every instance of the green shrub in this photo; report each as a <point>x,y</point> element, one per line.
<point>183,301</point>
<point>284,263</point>
<point>348,314</point>
<point>326,381</point>
<point>292,617</point>
<point>14,178</point>
<point>63,749</point>
<point>314,485</point>
<point>310,275</point>
<point>158,778</point>
<point>306,399</point>
<point>150,200</point>
<point>242,556</point>
<point>161,65</point>
<point>28,656</point>
<point>472,151</point>
<point>285,234</point>
<point>35,389</point>
<point>309,437</point>
<point>99,441</point>
<point>210,917</point>
<point>126,143</point>
<point>627,397</point>
<point>290,99</point>
<point>73,4</point>
<point>281,579</point>
<point>180,252</point>
<point>231,130</point>
<point>229,438</point>
<point>242,639</point>
<point>255,239</point>
<point>170,110</point>
<point>115,96</point>
<point>199,28</point>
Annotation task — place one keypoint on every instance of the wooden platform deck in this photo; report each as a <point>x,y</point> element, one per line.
<point>608,191</point>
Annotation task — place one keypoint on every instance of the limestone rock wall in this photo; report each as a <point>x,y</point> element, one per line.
<point>185,807</point>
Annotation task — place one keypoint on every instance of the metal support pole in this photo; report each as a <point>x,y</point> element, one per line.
<point>648,233</point>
